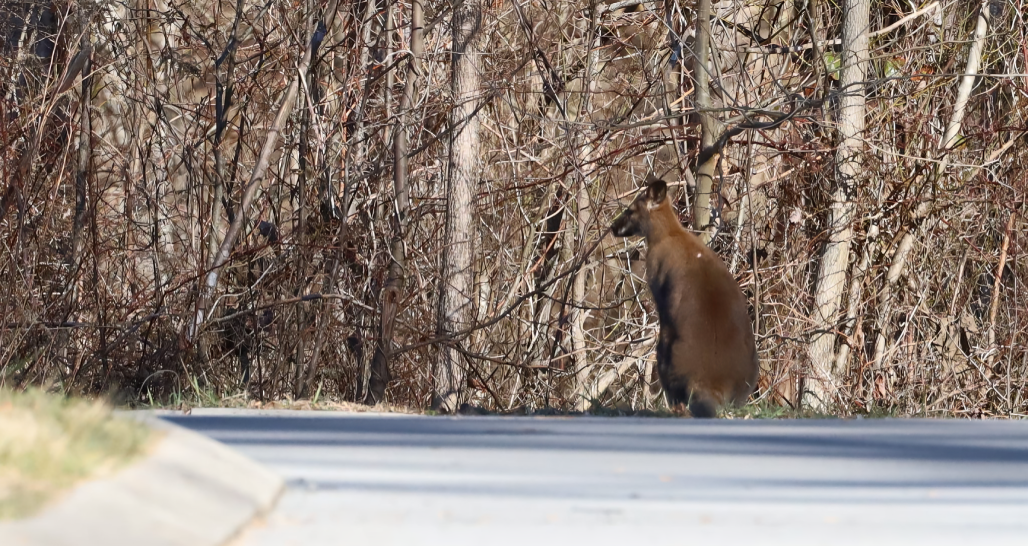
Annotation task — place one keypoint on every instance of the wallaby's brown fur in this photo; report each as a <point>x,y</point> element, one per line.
<point>706,354</point>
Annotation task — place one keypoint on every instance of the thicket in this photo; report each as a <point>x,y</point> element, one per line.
<point>265,197</point>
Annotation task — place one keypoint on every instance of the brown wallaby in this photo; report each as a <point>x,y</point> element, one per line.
<point>706,354</point>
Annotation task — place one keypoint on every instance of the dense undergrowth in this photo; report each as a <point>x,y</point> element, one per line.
<point>118,190</point>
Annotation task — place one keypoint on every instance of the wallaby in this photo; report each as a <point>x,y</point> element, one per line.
<point>706,354</point>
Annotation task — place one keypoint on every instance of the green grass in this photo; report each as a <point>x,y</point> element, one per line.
<point>49,443</point>
<point>763,409</point>
<point>760,410</point>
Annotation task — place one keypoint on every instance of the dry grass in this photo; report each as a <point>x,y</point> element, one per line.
<point>49,443</point>
<point>199,397</point>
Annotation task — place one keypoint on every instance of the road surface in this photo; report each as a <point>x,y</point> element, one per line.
<point>408,480</point>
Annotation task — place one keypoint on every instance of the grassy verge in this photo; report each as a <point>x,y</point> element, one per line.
<point>196,396</point>
<point>199,398</point>
<point>187,402</point>
<point>49,443</point>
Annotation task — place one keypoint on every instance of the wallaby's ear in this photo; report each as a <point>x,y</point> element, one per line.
<point>656,189</point>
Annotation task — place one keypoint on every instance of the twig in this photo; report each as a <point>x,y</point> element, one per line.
<point>997,284</point>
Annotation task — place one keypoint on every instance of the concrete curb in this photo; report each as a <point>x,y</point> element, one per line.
<point>191,491</point>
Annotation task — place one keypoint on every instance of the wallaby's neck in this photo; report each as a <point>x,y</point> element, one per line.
<point>663,224</point>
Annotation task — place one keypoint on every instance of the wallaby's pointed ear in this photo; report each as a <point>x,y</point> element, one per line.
<point>656,190</point>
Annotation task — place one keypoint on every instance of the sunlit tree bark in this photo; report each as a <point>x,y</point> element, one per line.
<point>822,382</point>
<point>455,302</point>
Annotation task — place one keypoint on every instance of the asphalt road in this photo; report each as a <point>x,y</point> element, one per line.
<point>413,480</point>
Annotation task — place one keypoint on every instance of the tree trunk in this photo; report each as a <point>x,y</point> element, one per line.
<point>456,281</point>
<point>974,57</point>
<point>390,296</point>
<point>583,394</point>
<point>701,213</point>
<point>831,280</point>
<point>82,174</point>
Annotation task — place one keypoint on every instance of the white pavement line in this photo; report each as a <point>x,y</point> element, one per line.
<point>190,491</point>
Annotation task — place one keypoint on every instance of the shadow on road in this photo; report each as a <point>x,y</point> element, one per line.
<point>926,440</point>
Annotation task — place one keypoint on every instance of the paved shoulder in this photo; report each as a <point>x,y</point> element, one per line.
<point>190,491</point>
<point>497,480</point>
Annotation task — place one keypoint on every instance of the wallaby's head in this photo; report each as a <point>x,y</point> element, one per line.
<point>635,220</point>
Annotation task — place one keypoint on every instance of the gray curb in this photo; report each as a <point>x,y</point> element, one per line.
<point>191,491</point>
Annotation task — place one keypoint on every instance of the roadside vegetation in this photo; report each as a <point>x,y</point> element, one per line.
<point>211,202</point>
<point>48,443</point>
<point>760,408</point>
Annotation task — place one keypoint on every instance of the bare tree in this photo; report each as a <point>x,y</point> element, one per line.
<point>455,283</point>
<point>831,279</point>
<point>709,125</point>
<point>390,296</point>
